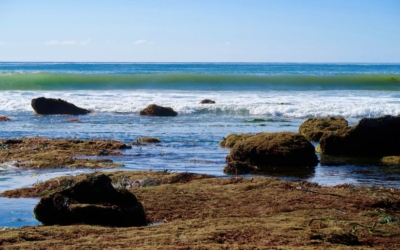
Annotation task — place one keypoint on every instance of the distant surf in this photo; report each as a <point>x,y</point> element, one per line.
<point>233,82</point>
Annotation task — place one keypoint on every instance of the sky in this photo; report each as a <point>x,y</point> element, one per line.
<point>365,31</point>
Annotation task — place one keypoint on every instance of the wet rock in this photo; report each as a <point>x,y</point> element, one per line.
<point>155,110</point>
<point>43,153</point>
<point>264,150</point>
<point>146,140</point>
<point>91,201</point>
<point>314,128</point>
<point>370,137</point>
<point>51,106</point>
<point>4,119</point>
<point>231,139</point>
<point>207,101</point>
<point>391,160</point>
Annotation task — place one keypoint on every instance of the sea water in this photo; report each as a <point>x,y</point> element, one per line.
<point>281,95</point>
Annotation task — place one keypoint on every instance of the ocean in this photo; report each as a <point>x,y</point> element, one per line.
<point>250,98</point>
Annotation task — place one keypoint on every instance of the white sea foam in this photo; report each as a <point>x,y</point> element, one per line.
<point>292,104</point>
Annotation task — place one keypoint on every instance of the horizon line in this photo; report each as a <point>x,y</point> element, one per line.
<point>200,62</point>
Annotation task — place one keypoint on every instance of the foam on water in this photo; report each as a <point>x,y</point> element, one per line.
<point>300,104</point>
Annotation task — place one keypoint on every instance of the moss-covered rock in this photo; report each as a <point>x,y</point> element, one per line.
<point>51,106</point>
<point>155,110</point>
<point>231,139</point>
<point>391,160</point>
<point>370,137</point>
<point>43,153</point>
<point>146,140</point>
<point>264,150</point>
<point>314,128</point>
<point>91,201</point>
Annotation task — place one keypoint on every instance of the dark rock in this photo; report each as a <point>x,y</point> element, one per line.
<point>4,119</point>
<point>231,139</point>
<point>264,150</point>
<point>155,110</point>
<point>370,137</point>
<point>51,106</point>
<point>314,128</point>
<point>91,201</point>
<point>207,101</point>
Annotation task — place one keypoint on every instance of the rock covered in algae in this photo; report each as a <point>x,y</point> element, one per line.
<point>51,106</point>
<point>264,150</point>
<point>91,201</point>
<point>370,137</point>
<point>146,140</point>
<point>391,160</point>
<point>155,110</point>
<point>314,128</point>
<point>231,139</point>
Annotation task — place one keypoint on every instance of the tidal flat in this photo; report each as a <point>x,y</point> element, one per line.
<point>194,211</point>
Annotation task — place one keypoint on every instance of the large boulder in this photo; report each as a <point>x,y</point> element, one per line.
<point>314,128</point>
<point>155,110</point>
<point>51,106</point>
<point>91,201</point>
<point>266,150</point>
<point>370,137</point>
<point>230,140</point>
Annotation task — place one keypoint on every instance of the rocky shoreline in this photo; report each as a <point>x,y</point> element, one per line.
<point>189,211</point>
<point>204,212</point>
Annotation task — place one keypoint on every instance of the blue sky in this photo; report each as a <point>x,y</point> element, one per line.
<point>200,31</point>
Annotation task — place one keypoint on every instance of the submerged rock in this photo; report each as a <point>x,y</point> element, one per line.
<point>4,119</point>
<point>314,128</point>
<point>370,137</point>
<point>146,140</point>
<point>74,120</point>
<point>207,101</point>
<point>264,150</point>
<point>231,139</point>
<point>155,110</point>
<point>91,201</point>
<point>51,106</point>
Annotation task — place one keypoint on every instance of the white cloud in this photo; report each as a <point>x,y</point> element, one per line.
<point>228,43</point>
<point>67,42</point>
<point>140,42</point>
<point>2,43</point>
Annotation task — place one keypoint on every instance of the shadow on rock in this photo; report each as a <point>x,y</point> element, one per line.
<point>370,137</point>
<point>91,201</point>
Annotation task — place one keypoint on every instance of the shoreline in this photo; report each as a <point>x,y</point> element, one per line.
<point>196,211</point>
